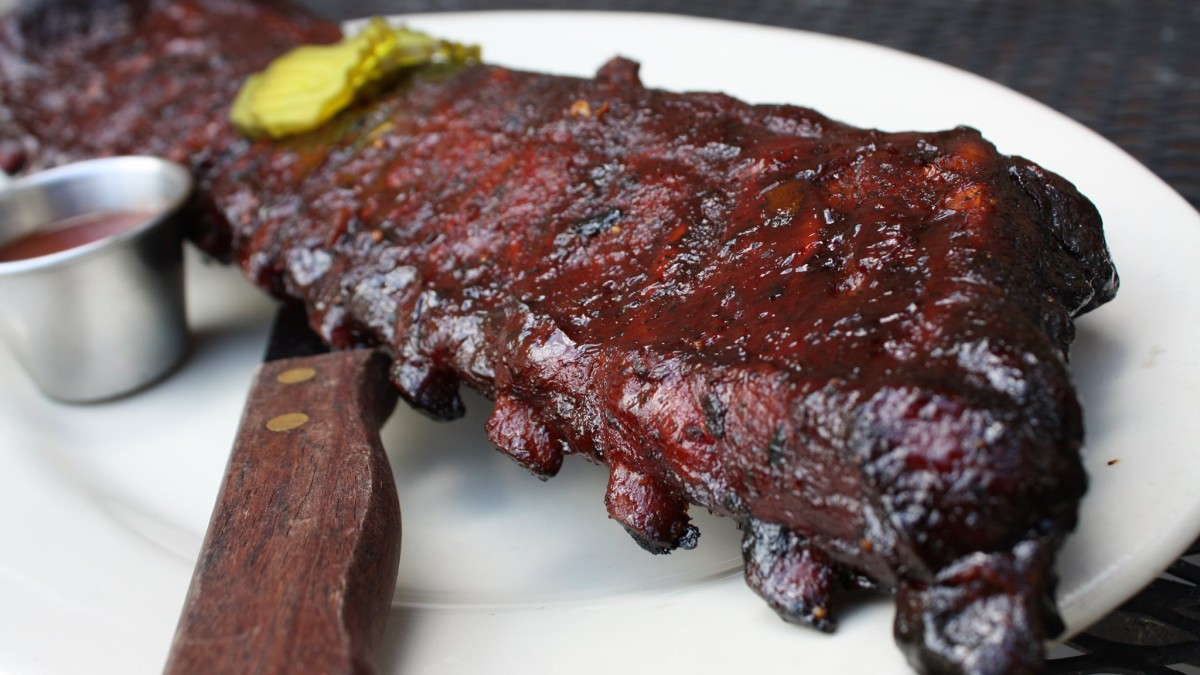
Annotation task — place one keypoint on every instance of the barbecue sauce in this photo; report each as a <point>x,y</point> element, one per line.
<point>70,233</point>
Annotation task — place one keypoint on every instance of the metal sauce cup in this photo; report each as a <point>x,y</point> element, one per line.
<point>105,317</point>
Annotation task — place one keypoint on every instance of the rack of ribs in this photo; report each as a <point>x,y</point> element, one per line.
<point>853,343</point>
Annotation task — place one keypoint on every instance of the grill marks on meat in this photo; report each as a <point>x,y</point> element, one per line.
<point>852,342</point>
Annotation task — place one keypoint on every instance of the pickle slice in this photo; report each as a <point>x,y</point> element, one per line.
<point>304,88</point>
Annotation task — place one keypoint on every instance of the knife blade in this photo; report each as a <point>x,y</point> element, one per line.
<point>297,569</point>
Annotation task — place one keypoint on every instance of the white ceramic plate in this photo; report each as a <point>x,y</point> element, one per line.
<point>102,508</point>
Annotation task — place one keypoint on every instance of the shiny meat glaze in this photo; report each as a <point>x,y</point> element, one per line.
<point>852,342</point>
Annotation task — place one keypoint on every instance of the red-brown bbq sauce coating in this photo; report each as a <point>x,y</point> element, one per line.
<point>70,233</point>
<point>852,342</point>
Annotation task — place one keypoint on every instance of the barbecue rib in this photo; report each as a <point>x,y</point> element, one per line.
<point>854,343</point>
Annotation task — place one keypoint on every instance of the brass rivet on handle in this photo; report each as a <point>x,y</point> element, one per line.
<point>296,376</point>
<point>286,422</point>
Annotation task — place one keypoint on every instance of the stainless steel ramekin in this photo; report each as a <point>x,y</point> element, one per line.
<point>106,317</point>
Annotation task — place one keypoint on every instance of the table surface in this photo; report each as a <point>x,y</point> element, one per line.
<point>1128,69</point>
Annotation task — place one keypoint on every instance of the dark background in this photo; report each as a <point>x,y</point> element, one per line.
<point>1128,69</point>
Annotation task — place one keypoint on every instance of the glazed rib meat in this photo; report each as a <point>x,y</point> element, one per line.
<point>854,343</point>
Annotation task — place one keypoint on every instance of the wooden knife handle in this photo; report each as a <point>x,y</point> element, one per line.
<point>297,570</point>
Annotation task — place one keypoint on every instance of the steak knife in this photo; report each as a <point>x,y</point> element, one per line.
<point>297,569</point>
